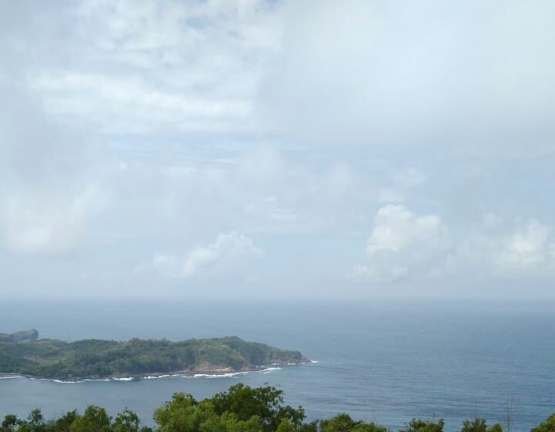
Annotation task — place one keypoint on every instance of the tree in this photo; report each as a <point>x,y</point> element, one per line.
<point>63,424</point>
<point>344,423</point>
<point>126,421</point>
<point>369,427</point>
<point>240,409</point>
<point>228,422</point>
<point>340,423</point>
<point>418,425</point>
<point>93,419</point>
<point>479,425</point>
<point>36,420</point>
<point>180,414</point>
<point>265,403</point>
<point>546,426</point>
<point>285,426</point>
<point>10,423</point>
<point>476,425</point>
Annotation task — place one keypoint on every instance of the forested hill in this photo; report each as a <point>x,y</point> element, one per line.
<point>21,336</point>
<point>92,358</point>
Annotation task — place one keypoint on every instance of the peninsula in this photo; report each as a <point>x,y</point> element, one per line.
<point>24,353</point>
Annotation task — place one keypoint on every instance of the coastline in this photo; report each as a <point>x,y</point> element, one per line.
<point>190,373</point>
<point>97,359</point>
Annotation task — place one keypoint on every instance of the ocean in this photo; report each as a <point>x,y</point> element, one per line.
<point>383,361</point>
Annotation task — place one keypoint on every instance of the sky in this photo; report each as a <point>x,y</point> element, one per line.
<point>271,149</point>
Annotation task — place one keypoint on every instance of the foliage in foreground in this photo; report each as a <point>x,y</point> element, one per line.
<point>240,409</point>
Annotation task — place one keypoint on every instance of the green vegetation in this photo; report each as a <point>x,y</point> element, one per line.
<point>22,336</point>
<point>240,409</point>
<point>50,358</point>
<point>547,426</point>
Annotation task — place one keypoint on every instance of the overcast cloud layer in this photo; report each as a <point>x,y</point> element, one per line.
<point>270,149</point>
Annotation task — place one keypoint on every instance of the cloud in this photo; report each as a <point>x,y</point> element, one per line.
<point>154,68</point>
<point>460,76</point>
<point>261,191</point>
<point>151,126</point>
<point>402,244</point>
<point>526,248</point>
<point>406,246</point>
<point>49,187</point>
<point>226,255</point>
<point>522,249</point>
<point>47,225</point>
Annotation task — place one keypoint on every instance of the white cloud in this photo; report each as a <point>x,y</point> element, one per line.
<point>402,244</point>
<point>226,255</point>
<point>261,191</point>
<point>465,76</point>
<point>527,247</point>
<point>461,76</point>
<point>49,187</point>
<point>48,225</point>
<point>127,105</point>
<point>140,126</point>
<point>152,68</point>
<point>396,228</point>
<point>504,251</point>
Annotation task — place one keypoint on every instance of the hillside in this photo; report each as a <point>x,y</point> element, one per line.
<point>93,358</point>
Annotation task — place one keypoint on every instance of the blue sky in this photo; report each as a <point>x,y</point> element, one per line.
<point>256,149</point>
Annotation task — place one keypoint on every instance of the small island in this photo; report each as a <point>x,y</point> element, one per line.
<point>24,353</point>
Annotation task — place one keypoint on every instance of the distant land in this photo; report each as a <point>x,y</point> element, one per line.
<point>24,353</point>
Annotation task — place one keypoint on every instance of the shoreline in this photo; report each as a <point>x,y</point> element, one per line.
<point>195,373</point>
<point>97,359</point>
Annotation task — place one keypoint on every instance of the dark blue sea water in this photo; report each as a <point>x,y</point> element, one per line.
<point>381,361</point>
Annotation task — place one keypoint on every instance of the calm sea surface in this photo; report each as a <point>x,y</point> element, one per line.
<point>382,361</point>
